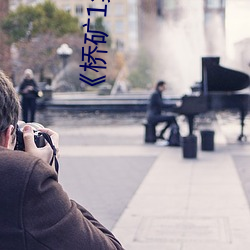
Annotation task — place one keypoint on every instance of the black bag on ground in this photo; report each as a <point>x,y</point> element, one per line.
<point>174,136</point>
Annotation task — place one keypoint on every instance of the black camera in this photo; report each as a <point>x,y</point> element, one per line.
<point>38,137</point>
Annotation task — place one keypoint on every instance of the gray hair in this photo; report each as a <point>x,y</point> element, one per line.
<point>29,72</point>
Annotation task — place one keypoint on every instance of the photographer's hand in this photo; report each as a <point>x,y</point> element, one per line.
<point>45,153</point>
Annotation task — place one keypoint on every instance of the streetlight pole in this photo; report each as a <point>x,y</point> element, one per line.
<point>64,51</point>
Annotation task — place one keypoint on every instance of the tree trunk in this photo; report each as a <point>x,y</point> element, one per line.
<point>5,58</point>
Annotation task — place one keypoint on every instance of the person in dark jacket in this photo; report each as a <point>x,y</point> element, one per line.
<point>29,91</point>
<point>35,212</point>
<point>155,107</point>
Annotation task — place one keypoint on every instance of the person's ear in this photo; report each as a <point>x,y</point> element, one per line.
<point>8,138</point>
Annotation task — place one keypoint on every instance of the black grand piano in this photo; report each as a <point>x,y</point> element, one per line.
<point>220,89</point>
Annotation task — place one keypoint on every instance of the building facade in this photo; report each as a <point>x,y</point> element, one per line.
<point>121,20</point>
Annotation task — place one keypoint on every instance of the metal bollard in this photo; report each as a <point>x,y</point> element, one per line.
<point>207,140</point>
<point>189,146</point>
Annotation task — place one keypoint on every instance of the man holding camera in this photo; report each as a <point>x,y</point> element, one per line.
<point>35,212</point>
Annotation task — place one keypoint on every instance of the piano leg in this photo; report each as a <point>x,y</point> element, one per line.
<point>190,123</point>
<point>243,114</point>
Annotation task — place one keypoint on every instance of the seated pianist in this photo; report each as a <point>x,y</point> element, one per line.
<point>155,107</point>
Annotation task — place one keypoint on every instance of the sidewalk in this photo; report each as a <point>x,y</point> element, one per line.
<point>188,204</point>
<point>175,204</point>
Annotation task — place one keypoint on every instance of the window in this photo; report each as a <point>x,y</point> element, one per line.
<point>170,4</point>
<point>215,4</point>
<point>119,44</point>
<point>119,9</point>
<point>107,25</point>
<point>67,8</point>
<point>79,10</point>
<point>92,13</point>
<point>119,26</point>
<point>132,10</point>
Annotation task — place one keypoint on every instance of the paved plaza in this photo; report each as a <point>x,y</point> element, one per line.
<point>149,195</point>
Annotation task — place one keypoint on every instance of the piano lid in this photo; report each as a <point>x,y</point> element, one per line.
<point>218,78</point>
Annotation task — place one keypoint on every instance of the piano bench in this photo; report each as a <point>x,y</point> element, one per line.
<point>150,132</point>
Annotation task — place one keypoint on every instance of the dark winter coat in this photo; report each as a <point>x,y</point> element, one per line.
<point>36,214</point>
<point>32,93</point>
